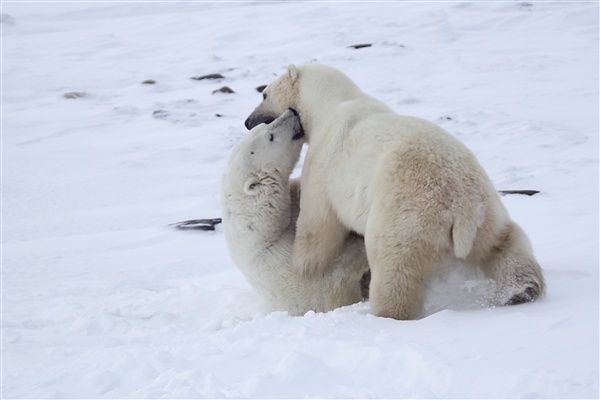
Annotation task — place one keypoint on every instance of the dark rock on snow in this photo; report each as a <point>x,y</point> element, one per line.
<point>360,46</point>
<point>525,192</point>
<point>209,76</point>
<point>224,89</point>
<point>73,95</point>
<point>199,224</point>
<point>161,114</point>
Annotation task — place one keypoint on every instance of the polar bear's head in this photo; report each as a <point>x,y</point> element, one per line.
<point>312,89</point>
<point>267,155</point>
<point>278,96</point>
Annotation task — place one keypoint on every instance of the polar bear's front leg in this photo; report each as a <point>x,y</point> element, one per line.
<point>320,236</point>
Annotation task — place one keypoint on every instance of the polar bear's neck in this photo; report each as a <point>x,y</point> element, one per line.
<point>320,95</point>
<point>326,94</point>
<point>260,220</point>
<point>259,231</point>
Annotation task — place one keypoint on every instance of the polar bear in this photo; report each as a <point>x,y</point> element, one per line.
<point>418,195</point>
<point>259,203</point>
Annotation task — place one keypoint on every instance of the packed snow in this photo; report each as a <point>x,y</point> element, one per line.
<point>102,298</point>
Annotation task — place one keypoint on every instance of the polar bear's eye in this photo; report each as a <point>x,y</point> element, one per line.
<point>264,96</point>
<point>271,137</point>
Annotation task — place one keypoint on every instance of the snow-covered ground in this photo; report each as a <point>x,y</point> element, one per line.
<point>101,298</point>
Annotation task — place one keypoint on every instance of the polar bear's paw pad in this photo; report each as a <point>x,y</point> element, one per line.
<point>531,293</point>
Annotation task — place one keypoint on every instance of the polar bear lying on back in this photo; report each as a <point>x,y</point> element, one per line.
<point>418,195</point>
<point>260,206</point>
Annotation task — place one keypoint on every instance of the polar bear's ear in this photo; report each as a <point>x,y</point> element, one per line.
<point>293,72</point>
<point>251,187</point>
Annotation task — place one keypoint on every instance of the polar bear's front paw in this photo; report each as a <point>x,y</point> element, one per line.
<point>308,270</point>
<point>308,267</point>
<point>315,250</point>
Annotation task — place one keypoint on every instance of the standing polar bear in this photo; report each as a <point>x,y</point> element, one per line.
<point>260,207</point>
<point>417,194</point>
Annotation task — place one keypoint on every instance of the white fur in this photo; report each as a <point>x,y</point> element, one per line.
<point>260,207</point>
<point>417,194</point>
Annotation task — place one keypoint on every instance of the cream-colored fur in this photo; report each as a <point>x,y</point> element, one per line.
<point>260,208</point>
<point>417,194</point>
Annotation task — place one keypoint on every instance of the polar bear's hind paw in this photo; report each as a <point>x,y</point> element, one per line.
<point>531,293</point>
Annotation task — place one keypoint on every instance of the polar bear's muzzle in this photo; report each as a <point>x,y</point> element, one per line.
<point>288,123</point>
<point>257,118</point>
<point>253,120</point>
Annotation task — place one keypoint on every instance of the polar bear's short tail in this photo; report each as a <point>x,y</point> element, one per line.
<point>464,229</point>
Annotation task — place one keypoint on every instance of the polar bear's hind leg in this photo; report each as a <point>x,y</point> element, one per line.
<point>514,268</point>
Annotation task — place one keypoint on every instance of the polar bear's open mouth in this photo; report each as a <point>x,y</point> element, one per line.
<point>300,133</point>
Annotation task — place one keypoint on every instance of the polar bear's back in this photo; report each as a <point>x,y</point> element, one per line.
<point>386,154</point>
